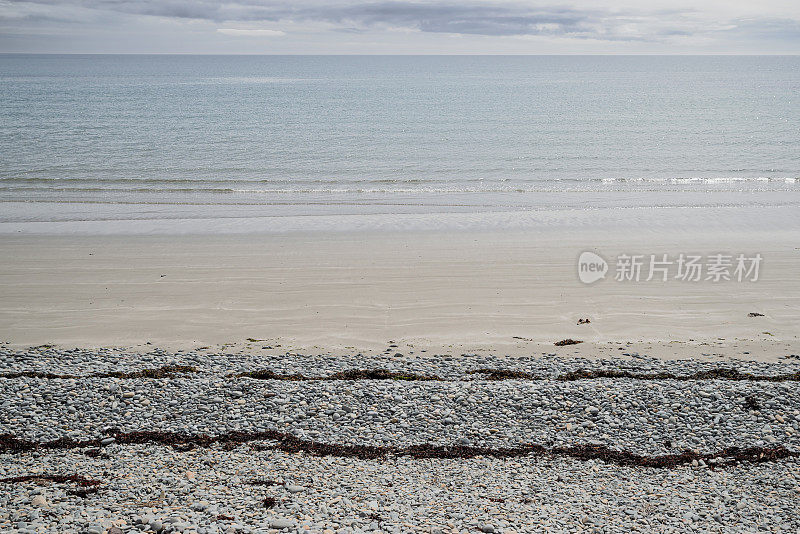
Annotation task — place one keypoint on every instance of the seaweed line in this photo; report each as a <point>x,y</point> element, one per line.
<point>292,444</point>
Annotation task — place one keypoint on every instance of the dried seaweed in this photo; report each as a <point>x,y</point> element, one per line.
<point>262,482</point>
<point>351,374</point>
<point>83,492</point>
<point>170,371</point>
<point>167,371</point>
<point>751,403</point>
<point>78,480</point>
<point>379,374</point>
<point>567,341</point>
<point>292,444</point>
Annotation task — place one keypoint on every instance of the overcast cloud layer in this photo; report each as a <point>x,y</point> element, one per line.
<point>313,26</point>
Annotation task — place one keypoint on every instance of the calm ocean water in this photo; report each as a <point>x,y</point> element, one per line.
<point>132,137</point>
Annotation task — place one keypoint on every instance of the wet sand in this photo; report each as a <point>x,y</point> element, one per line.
<point>450,293</point>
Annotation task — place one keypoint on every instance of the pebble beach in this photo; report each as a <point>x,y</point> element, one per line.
<point>107,440</point>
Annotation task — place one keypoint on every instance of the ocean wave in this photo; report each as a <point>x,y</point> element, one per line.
<point>510,181</point>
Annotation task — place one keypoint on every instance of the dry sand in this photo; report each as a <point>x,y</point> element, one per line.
<point>455,292</point>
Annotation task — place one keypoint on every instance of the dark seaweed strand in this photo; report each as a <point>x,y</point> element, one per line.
<point>352,374</point>
<point>513,374</point>
<point>170,371</point>
<point>166,371</point>
<point>78,480</point>
<point>292,444</point>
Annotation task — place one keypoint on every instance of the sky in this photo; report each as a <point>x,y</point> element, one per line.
<point>400,27</point>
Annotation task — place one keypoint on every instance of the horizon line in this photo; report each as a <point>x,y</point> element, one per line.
<point>794,54</point>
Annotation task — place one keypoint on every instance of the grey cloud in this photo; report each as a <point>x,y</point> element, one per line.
<point>767,28</point>
<point>475,19</point>
<point>464,19</point>
<point>510,19</point>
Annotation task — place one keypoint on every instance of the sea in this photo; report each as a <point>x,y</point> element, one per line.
<point>183,143</point>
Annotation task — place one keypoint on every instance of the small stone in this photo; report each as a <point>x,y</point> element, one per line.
<point>107,441</point>
<point>281,523</point>
<point>294,489</point>
<point>39,501</point>
<point>487,528</point>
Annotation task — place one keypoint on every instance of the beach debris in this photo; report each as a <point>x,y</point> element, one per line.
<point>584,321</point>
<point>379,374</point>
<point>262,482</point>
<point>755,314</point>
<point>83,492</point>
<point>751,403</point>
<point>384,374</point>
<point>290,443</point>
<point>567,341</point>
<point>166,371</point>
<point>80,481</point>
<point>352,374</point>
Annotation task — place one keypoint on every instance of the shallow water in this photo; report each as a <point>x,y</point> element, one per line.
<point>191,137</point>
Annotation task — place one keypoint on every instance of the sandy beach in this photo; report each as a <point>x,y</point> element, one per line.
<point>499,292</point>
